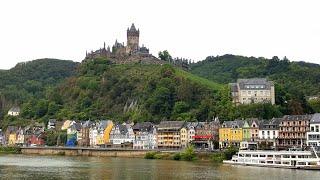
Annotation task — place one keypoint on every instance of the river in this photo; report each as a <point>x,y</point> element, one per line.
<point>66,167</point>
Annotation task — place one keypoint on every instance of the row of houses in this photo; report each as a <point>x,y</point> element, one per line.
<point>23,136</point>
<point>288,131</point>
<point>282,133</point>
<point>145,135</point>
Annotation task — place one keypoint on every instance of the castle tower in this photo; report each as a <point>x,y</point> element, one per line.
<point>133,39</point>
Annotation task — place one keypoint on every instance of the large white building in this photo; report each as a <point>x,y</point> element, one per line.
<point>313,137</point>
<point>269,132</point>
<point>247,91</point>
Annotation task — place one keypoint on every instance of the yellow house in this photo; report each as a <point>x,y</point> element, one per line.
<point>66,124</point>
<point>12,138</point>
<point>225,134</point>
<point>236,132</point>
<point>107,131</point>
<point>184,137</point>
<point>104,129</point>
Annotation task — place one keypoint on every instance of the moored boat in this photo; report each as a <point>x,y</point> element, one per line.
<point>292,159</point>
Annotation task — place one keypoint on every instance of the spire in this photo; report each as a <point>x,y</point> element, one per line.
<point>86,53</point>
<point>133,28</point>
<point>104,45</point>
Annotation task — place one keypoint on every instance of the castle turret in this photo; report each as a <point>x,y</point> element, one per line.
<point>133,38</point>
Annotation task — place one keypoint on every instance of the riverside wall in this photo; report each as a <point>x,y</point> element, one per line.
<point>103,152</point>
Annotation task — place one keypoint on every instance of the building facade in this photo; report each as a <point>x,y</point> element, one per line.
<point>313,137</point>
<point>169,134</point>
<point>269,133</point>
<point>293,130</point>
<point>247,91</point>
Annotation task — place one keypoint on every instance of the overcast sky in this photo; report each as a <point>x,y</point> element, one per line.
<point>65,29</point>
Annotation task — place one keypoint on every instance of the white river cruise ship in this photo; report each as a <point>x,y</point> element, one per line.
<point>292,159</point>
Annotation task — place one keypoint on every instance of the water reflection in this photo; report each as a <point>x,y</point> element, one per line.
<point>63,167</point>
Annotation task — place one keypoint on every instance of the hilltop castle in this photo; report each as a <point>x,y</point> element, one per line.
<point>121,54</point>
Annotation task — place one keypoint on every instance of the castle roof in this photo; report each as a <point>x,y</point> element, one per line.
<point>133,28</point>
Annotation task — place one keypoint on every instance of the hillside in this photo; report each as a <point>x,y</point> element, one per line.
<point>293,80</point>
<point>124,92</point>
<point>31,80</point>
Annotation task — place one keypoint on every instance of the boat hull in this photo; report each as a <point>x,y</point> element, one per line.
<point>315,167</point>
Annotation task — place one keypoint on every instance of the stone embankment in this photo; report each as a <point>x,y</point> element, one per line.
<point>77,151</point>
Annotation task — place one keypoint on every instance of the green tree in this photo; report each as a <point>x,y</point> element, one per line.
<point>164,55</point>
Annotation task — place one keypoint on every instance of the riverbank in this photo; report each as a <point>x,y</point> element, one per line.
<point>9,150</point>
<point>107,152</point>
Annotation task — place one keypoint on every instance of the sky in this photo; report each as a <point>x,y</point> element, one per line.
<point>65,29</point>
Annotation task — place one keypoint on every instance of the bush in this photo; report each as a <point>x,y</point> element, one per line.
<point>177,156</point>
<point>229,152</point>
<point>189,154</point>
<point>150,155</point>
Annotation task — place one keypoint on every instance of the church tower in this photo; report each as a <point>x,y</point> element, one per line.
<point>133,39</point>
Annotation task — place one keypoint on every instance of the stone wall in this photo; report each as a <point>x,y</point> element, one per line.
<point>83,151</point>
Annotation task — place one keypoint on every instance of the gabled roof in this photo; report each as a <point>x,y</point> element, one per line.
<point>143,127</point>
<point>227,124</point>
<point>315,119</point>
<point>15,109</point>
<point>12,129</point>
<point>171,124</point>
<point>76,126</point>
<point>237,124</point>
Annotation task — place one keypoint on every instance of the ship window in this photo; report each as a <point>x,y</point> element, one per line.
<point>286,156</point>
<point>254,155</point>
<point>262,162</point>
<point>286,162</point>
<point>262,155</point>
<point>269,162</point>
<point>269,155</point>
<point>277,156</point>
<point>301,163</point>
<point>277,162</point>
<point>293,156</point>
<point>248,155</point>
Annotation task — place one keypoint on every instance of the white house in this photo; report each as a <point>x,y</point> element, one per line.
<point>269,131</point>
<point>313,137</point>
<point>121,134</point>
<point>14,111</point>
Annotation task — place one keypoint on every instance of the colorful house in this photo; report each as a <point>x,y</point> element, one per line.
<point>141,132</point>
<point>293,130</point>
<point>246,131</point>
<point>11,135</point>
<point>225,134</point>
<point>184,137</point>
<point>72,134</point>
<point>169,134</point>
<point>236,132</point>
<point>269,132</point>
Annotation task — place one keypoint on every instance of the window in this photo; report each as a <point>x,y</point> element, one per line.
<point>249,92</point>
<point>243,92</point>
<point>261,92</point>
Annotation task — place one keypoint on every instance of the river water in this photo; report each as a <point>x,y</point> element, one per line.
<point>66,167</point>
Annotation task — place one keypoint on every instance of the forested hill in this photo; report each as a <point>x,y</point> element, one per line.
<point>134,92</point>
<point>294,80</point>
<point>31,80</point>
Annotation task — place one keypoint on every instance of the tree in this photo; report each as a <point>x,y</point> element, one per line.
<point>164,55</point>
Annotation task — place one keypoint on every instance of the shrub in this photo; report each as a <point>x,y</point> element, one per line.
<point>150,155</point>
<point>177,156</point>
<point>189,154</point>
